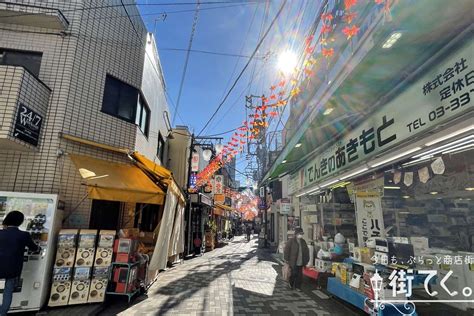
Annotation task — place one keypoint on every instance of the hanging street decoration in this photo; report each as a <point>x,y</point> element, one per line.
<point>286,87</point>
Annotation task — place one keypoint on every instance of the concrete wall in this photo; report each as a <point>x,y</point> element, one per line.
<point>153,88</point>
<point>178,149</point>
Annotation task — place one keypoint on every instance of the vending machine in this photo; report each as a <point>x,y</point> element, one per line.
<point>86,248</point>
<point>43,221</point>
<point>104,252</point>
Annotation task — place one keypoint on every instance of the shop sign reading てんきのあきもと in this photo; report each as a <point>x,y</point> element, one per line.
<point>444,92</point>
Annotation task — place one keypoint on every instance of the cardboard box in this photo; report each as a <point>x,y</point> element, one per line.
<point>129,233</point>
<point>147,237</point>
<point>366,255</point>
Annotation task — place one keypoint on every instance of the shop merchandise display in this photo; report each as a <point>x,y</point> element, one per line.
<point>80,285</point>
<point>66,248</point>
<point>82,278</point>
<point>98,287</point>
<point>63,267</point>
<point>125,268</point>
<point>86,248</point>
<point>104,252</point>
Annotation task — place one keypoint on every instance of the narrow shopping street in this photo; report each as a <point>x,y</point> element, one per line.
<point>237,279</point>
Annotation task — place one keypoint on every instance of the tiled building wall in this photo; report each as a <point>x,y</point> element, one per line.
<point>10,82</point>
<point>100,40</point>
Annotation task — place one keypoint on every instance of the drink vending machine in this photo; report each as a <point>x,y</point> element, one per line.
<point>43,221</point>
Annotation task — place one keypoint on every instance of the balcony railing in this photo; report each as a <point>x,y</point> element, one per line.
<point>34,16</point>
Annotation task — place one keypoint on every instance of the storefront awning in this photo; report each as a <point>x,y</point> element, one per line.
<point>112,181</point>
<point>224,207</point>
<point>160,174</point>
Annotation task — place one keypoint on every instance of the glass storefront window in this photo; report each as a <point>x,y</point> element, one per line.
<point>439,207</point>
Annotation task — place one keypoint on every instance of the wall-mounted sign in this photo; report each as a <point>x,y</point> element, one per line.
<point>195,162</point>
<point>219,198</point>
<point>285,206</point>
<point>27,125</point>
<point>443,93</point>
<point>369,216</point>
<point>218,187</point>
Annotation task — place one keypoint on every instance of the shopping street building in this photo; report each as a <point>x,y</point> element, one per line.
<point>379,148</point>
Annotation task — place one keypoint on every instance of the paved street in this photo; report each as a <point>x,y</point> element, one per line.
<point>237,279</point>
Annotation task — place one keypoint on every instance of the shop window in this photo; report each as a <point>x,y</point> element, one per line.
<point>120,99</point>
<point>104,215</point>
<point>31,61</point>
<point>438,206</point>
<point>147,216</point>
<point>142,118</point>
<point>161,148</point>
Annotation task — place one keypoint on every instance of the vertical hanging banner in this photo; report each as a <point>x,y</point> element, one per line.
<point>218,187</point>
<point>195,162</point>
<point>369,216</point>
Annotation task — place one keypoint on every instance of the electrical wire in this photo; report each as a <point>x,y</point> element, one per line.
<point>186,61</point>
<point>209,52</point>
<point>235,68</point>
<point>243,2</point>
<point>152,63</point>
<point>245,67</point>
<point>311,31</point>
<point>165,13</point>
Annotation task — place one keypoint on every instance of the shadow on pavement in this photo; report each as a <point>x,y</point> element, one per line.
<point>180,289</point>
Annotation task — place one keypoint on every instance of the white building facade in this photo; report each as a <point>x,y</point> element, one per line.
<point>87,78</point>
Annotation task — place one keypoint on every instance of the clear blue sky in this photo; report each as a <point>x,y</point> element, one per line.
<point>233,30</point>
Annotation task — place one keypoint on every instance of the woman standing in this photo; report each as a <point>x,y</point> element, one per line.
<point>297,256</point>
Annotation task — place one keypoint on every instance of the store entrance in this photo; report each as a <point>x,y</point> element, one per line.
<point>104,215</point>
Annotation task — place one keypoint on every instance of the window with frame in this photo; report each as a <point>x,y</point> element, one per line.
<point>31,61</point>
<point>142,117</point>
<point>161,148</point>
<point>120,99</point>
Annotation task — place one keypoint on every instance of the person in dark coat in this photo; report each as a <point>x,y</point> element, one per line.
<point>249,232</point>
<point>12,247</point>
<point>297,256</point>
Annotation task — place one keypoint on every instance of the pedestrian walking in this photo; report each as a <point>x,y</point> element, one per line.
<point>12,247</point>
<point>248,231</point>
<point>197,245</point>
<point>296,254</point>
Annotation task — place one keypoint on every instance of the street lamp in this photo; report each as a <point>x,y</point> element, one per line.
<point>207,154</point>
<point>219,148</point>
<point>376,281</point>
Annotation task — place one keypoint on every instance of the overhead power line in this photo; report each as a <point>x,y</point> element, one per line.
<point>246,66</point>
<point>230,3</point>
<point>210,52</point>
<point>186,61</point>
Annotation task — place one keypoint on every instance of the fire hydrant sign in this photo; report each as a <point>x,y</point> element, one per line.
<point>27,125</point>
<point>369,216</point>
